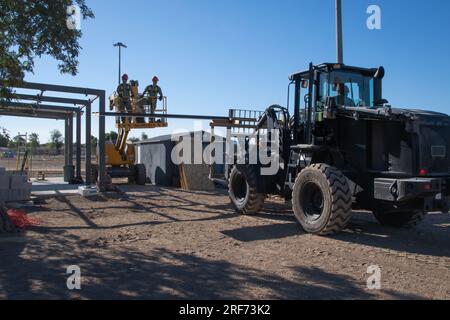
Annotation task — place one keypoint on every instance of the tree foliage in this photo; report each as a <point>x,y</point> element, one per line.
<point>56,140</point>
<point>33,28</point>
<point>112,136</point>
<point>4,141</point>
<point>4,138</point>
<point>33,142</point>
<point>16,142</point>
<point>94,143</point>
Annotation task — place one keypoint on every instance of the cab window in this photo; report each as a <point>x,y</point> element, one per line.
<point>350,89</point>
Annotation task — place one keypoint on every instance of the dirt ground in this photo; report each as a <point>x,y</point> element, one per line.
<point>157,243</point>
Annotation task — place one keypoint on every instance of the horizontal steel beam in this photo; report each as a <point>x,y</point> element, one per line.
<point>57,88</point>
<point>31,114</point>
<point>171,116</point>
<point>39,98</point>
<point>37,106</point>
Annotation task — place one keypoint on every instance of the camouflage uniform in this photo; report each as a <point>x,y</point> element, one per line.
<point>124,92</point>
<point>153,92</point>
<point>124,100</point>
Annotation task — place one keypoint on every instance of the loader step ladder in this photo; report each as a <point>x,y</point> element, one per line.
<point>291,172</point>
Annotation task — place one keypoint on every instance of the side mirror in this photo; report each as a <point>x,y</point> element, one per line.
<point>304,84</point>
<point>380,73</point>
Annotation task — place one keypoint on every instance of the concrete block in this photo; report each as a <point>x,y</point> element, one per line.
<point>4,182</point>
<point>19,195</point>
<point>4,195</point>
<point>27,186</point>
<point>17,181</point>
<point>87,191</point>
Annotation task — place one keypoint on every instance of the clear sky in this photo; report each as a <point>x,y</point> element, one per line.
<point>212,55</point>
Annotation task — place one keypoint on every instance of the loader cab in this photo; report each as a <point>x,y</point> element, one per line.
<point>346,88</point>
<point>325,87</point>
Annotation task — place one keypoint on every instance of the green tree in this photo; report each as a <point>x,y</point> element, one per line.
<point>16,141</point>
<point>30,29</point>
<point>4,138</point>
<point>56,140</point>
<point>4,141</point>
<point>133,139</point>
<point>33,142</point>
<point>94,143</point>
<point>112,136</point>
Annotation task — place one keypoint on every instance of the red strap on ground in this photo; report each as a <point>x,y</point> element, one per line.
<point>20,219</point>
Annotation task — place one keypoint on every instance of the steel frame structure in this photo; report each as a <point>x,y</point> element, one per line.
<point>26,105</point>
<point>31,106</point>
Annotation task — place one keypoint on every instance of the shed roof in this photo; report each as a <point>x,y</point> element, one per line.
<point>168,137</point>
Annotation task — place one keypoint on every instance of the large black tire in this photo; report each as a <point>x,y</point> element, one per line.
<point>242,189</point>
<point>132,178</point>
<point>321,200</point>
<point>406,219</point>
<point>141,174</point>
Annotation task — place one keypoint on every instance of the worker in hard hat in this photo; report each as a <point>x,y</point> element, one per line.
<point>343,98</point>
<point>154,93</point>
<point>123,103</point>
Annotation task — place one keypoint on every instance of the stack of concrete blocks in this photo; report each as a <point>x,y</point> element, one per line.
<point>14,186</point>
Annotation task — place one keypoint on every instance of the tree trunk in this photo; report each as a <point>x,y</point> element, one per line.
<point>6,225</point>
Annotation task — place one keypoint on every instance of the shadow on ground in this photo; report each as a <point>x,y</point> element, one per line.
<point>158,274</point>
<point>430,238</point>
<point>35,268</point>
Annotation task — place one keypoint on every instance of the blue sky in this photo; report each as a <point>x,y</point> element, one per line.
<point>212,55</point>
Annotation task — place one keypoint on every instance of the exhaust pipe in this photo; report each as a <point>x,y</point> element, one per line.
<point>339,36</point>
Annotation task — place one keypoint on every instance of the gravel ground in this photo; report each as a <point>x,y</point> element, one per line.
<point>158,243</point>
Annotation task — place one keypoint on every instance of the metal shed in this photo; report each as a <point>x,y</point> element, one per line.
<point>156,155</point>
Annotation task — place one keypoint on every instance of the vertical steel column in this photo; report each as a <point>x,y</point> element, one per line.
<point>78,146</point>
<point>70,149</point>
<point>101,144</point>
<point>66,141</point>
<point>88,145</point>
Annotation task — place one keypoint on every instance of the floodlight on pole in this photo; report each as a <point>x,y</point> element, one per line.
<point>120,45</point>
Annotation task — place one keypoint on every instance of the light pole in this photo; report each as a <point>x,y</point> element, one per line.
<point>120,45</point>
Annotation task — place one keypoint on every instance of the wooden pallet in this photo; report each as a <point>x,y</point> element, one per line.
<point>195,178</point>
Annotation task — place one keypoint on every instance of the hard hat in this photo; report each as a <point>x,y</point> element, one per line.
<point>125,76</point>
<point>155,78</point>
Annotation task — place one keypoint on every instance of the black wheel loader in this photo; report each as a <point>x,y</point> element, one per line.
<point>346,148</point>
